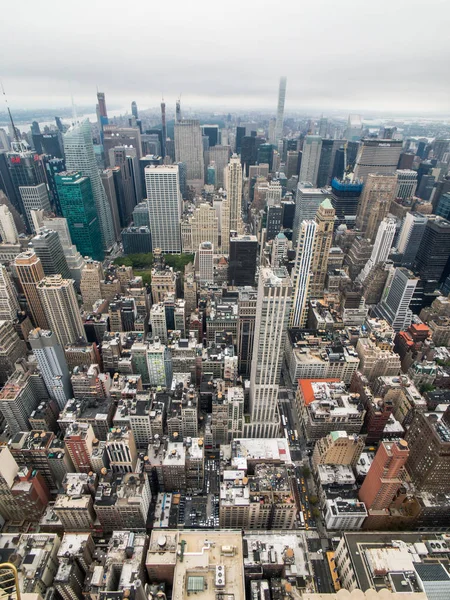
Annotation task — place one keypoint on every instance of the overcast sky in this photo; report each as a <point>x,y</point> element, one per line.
<point>385,55</point>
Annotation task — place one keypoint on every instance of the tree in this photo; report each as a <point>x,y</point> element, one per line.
<point>306,471</point>
<point>313,499</point>
<point>315,513</point>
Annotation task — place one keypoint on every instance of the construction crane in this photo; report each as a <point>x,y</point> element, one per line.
<point>9,582</point>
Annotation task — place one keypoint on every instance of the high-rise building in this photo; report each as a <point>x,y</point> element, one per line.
<point>11,349</point>
<point>381,247</point>
<point>34,197</point>
<point>59,301</point>
<point>385,475</point>
<point>309,168</point>
<point>354,128</point>
<point>406,183</point>
<point>52,365</point>
<point>220,155</point>
<point>326,163</point>
<point>301,273</point>
<point>189,150</point>
<point>394,307</point>
<point>240,133</point>
<point>345,199</point>
<point>48,248</point>
<point>242,262</point>
<point>78,441</point>
<point>377,156</point>
<point>272,317</point>
<point>324,237</point>
<point>164,206</point>
<point>338,448</point>
<point>18,398</point>
<point>77,206</point>
<point>112,192</point>
<point>125,172</point>
<point>129,137</point>
<point>234,193</point>
<point>80,156</point>
<point>8,229</point>
<point>213,134</point>
<point>206,263</point>
<point>378,192</point>
<point>30,272</point>
<point>134,109</point>
<point>307,202</point>
<point>443,206</point>
<point>432,261</point>
<point>410,237</point>
<point>9,306</point>
<point>278,133</point>
<point>159,364</point>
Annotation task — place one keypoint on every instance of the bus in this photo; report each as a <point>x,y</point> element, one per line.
<point>301,518</point>
<point>283,420</point>
<point>296,435</point>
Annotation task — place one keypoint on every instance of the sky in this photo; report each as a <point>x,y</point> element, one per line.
<point>349,55</point>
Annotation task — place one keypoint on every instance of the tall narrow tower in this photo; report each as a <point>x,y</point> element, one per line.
<point>309,168</point>
<point>324,237</point>
<point>378,192</point>
<point>30,271</point>
<point>164,128</point>
<point>178,111</point>
<point>164,206</point>
<point>272,317</point>
<point>189,150</point>
<point>280,109</point>
<point>8,229</point>
<point>79,151</point>
<point>234,192</point>
<point>302,273</point>
<point>9,306</point>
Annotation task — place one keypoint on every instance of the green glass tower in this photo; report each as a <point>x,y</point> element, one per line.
<point>78,207</point>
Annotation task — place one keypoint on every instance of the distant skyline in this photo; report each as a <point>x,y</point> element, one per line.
<point>336,56</point>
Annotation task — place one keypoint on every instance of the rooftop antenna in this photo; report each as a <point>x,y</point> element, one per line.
<point>74,108</point>
<point>15,134</point>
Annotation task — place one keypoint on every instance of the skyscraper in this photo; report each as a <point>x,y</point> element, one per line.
<point>432,261</point>
<point>30,272</point>
<point>48,247</point>
<point>410,237</point>
<point>385,475</point>
<point>324,237</point>
<point>59,301</point>
<point>381,247</point>
<point>376,197</point>
<point>345,199</point>
<point>134,109</point>
<point>8,229</point>
<point>164,129</point>
<point>79,151</point>
<point>406,183</point>
<point>206,263</point>
<point>34,197</point>
<point>220,155</point>
<point>354,128</point>
<point>189,150</point>
<point>280,110</point>
<point>307,202</point>
<point>272,317</point>
<point>301,273</point>
<point>234,192</point>
<point>309,168</point>
<point>242,263</point>
<point>52,365</point>
<point>164,206</point>
<point>77,206</point>
<point>9,306</point>
<point>25,169</point>
<point>377,156</point>
<point>394,307</point>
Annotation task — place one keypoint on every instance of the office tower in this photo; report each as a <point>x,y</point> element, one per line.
<point>381,247</point>
<point>140,215</point>
<point>9,471</point>
<point>242,262</point>
<point>107,177</point>
<point>77,206</point>
<point>326,161</point>
<point>79,151</point>
<point>211,174</point>
<point>385,476</point>
<point>220,155</point>
<point>307,202</point>
<point>443,206</point>
<point>394,307</point>
<point>246,328</point>
<point>272,316</point>
<point>345,199</point>
<point>134,109</point>
<point>102,107</point>
<point>30,272</point>
<point>53,166</point>
<point>292,163</point>
<point>309,168</point>
<point>428,464</point>
<point>206,263</point>
<point>278,133</point>
<point>25,169</point>
<point>377,156</point>
<point>48,248</point>
<point>34,197</point>
<point>164,129</point>
<point>432,261</point>
<point>273,221</point>
<point>126,181</point>
<point>8,229</point>
<point>60,304</point>
<point>279,250</point>
<point>164,207</point>
<point>376,197</point>
<point>264,155</point>
<point>234,193</point>
<point>426,186</point>
<point>189,150</point>
<point>324,237</point>
<point>18,397</point>
<point>213,134</point>
<point>410,237</point>
<point>354,128</point>
<point>406,183</point>
<point>301,273</point>
<point>248,152</point>
<point>52,365</point>
<point>240,133</point>
<point>11,349</point>
<point>136,240</point>
<point>128,137</point>
<point>9,306</point>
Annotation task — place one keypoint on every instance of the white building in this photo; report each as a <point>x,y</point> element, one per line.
<point>344,514</point>
<point>189,150</point>
<point>312,147</point>
<point>302,273</point>
<point>381,248</point>
<point>159,364</point>
<point>164,206</point>
<point>278,132</point>
<point>158,322</point>
<point>8,229</point>
<point>206,263</point>
<point>80,156</point>
<point>406,183</point>
<point>272,317</point>
<point>34,197</point>
<point>394,307</point>
<point>9,305</point>
<point>233,182</point>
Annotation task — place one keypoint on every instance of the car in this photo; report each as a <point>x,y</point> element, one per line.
<point>303,489</point>
<point>303,481</point>
<point>306,526</point>
<point>309,514</point>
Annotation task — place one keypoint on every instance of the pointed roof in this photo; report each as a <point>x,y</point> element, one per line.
<point>281,235</point>
<point>327,203</point>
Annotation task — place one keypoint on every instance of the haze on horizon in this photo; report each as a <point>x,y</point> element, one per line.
<point>336,56</point>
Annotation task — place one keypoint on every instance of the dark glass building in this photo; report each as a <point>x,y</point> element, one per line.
<point>212,132</point>
<point>242,263</point>
<point>274,221</point>
<point>78,207</point>
<point>52,167</point>
<point>240,133</point>
<point>48,248</point>
<point>265,155</point>
<point>432,262</point>
<point>248,152</point>
<point>344,198</point>
<point>137,240</point>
